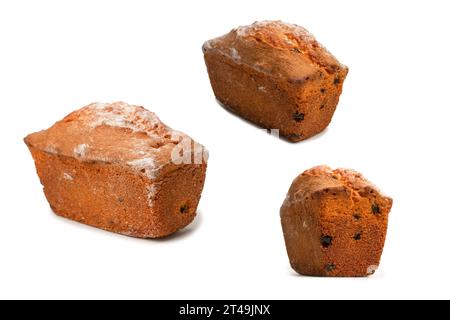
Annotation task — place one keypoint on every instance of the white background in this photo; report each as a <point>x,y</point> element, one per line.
<point>392,124</point>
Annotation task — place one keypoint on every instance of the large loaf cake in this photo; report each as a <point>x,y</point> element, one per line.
<point>119,168</point>
<point>276,75</point>
<point>334,223</point>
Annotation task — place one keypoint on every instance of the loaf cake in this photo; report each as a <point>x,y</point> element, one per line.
<point>334,223</point>
<point>277,76</point>
<point>119,168</point>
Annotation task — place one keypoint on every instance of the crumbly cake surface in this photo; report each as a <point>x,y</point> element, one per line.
<point>334,223</point>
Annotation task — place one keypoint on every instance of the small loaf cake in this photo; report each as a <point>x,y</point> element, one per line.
<point>119,168</point>
<point>276,75</point>
<point>334,223</point>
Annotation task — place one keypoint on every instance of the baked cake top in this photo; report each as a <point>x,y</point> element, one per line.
<point>322,178</point>
<point>280,49</point>
<point>112,133</point>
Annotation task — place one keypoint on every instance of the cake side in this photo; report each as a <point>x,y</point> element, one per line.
<point>301,222</point>
<point>117,198</point>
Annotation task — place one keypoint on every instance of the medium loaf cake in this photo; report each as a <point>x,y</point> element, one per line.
<point>334,223</point>
<point>119,168</point>
<point>276,75</point>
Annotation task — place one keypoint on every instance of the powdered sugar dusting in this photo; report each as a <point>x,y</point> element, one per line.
<point>152,191</point>
<point>145,165</point>
<point>80,150</point>
<point>123,115</point>
<point>67,176</point>
<point>51,149</point>
<point>287,36</point>
<point>234,54</point>
<point>208,45</point>
<point>288,41</point>
<point>144,145</point>
<point>297,30</point>
<point>244,31</point>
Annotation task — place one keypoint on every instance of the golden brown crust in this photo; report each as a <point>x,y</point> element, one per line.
<point>110,166</point>
<point>276,75</point>
<point>334,223</point>
<point>111,133</point>
<point>280,49</point>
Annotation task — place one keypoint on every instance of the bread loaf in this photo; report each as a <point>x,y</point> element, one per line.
<point>334,223</point>
<point>119,168</point>
<point>276,75</point>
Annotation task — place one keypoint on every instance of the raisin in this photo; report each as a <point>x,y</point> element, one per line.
<point>357,236</point>
<point>299,117</point>
<point>376,209</point>
<point>184,208</point>
<point>330,267</point>
<point>357,216</point>
<point>336,81</point>
<point>322,90</point>
<point>322,106</point>
<point>325,241</point>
